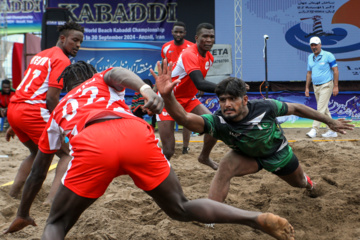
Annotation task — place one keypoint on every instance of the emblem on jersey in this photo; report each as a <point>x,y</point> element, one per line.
<point>207,65</point>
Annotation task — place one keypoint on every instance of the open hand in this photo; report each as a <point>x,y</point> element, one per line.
<point>341,125</point>
<point>19,223</point>
<point>163,80</point>
<point>9,134</point>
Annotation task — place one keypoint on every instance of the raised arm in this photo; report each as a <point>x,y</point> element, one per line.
<point>165,86</point>
<point>303,111</point>
<point>121,78</point>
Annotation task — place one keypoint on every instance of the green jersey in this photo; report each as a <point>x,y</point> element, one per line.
<point>257,135</point>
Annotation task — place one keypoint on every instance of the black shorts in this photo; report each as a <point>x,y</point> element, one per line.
<point>289,168</point>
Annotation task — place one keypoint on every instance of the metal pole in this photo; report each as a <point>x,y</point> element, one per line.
<point>266,68</point>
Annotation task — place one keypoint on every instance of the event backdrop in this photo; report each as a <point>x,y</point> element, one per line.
<point>345,105</point>
<point>21,16</point>
<point>290,24</point>
<point>129,20</point>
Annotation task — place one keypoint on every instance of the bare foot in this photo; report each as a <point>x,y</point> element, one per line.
<point>314,191</point>
<point>276,226</point>
<point>47,203</point>
<point>209,163</point>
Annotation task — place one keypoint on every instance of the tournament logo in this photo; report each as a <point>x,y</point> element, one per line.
<point>336,40</point>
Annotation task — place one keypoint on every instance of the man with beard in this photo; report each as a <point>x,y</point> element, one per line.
<point>249,128</point>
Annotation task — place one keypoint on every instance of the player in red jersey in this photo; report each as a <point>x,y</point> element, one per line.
<point>171,52</point>
<point>37,96</point>
<point>106,140</point>
<point>191,68</point>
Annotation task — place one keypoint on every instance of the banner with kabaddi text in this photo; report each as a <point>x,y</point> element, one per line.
<point>21,16</point>
<point>127,20</point>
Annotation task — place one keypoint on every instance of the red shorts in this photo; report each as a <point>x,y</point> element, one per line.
<point>105,150</point>
<point>28,121</point>
<point>187,103</point>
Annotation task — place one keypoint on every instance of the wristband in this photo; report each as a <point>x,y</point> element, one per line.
<point>143,87</point>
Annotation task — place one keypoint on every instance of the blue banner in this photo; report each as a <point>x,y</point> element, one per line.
<point>345,105</point>
<point>129,20</point>
<point>289,25</point>
<point>135,56</point>
<point>21,16</point>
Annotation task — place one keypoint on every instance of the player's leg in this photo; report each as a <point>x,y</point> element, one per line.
<point>94,164</point>
<point>170,198</point>
<point>231,165</point>
<point>294,175</point>
<point>186,139</point>
<point>24,169</point>
<point>209,141</point>
<point>65,211</point>
<point>167,137</point>
<point>59,173</point>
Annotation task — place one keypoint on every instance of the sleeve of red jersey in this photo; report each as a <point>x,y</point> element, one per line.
<point>162,51</point>
<point>57,67</point>
<point>50,140</point>
<point>190,62</point>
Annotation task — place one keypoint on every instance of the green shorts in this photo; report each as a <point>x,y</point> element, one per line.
<point>283,161</point>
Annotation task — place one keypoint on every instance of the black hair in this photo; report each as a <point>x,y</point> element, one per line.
<point>76,74</point>
<point>180,24</point>
<point>5,81</point>
<point>67,27</point>
<point>203,25</point>
<point>233,86</point>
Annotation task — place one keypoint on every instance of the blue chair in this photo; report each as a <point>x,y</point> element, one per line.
<point>2,122</point>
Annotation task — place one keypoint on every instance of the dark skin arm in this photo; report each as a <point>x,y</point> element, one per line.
<point>200,83</point>
<point>52,98</point>
<point>339,125</point>
<point>204,85</point>
<point>120,78</point>
<point>32,186</point>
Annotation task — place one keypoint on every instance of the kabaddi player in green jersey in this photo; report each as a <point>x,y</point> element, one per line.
<point>250,130</point>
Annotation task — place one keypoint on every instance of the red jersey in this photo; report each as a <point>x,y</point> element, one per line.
<point>90,101</point>
<point>171,52</point>
<point>190,60</point>
<point>42,73</point>
<point>5,99</point>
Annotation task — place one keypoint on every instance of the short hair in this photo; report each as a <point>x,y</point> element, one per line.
<point>203,25</point>
<point>76,74</point>
<point>233,86</point>
<point>5,81</point>
<point>180,24</point>
<point>67,27</point>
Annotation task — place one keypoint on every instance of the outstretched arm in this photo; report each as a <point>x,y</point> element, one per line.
<point>165,86</point>
<point>200,83</point>
<point>120,78</point>
<point>303,111</point>
<point>32,187</point>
